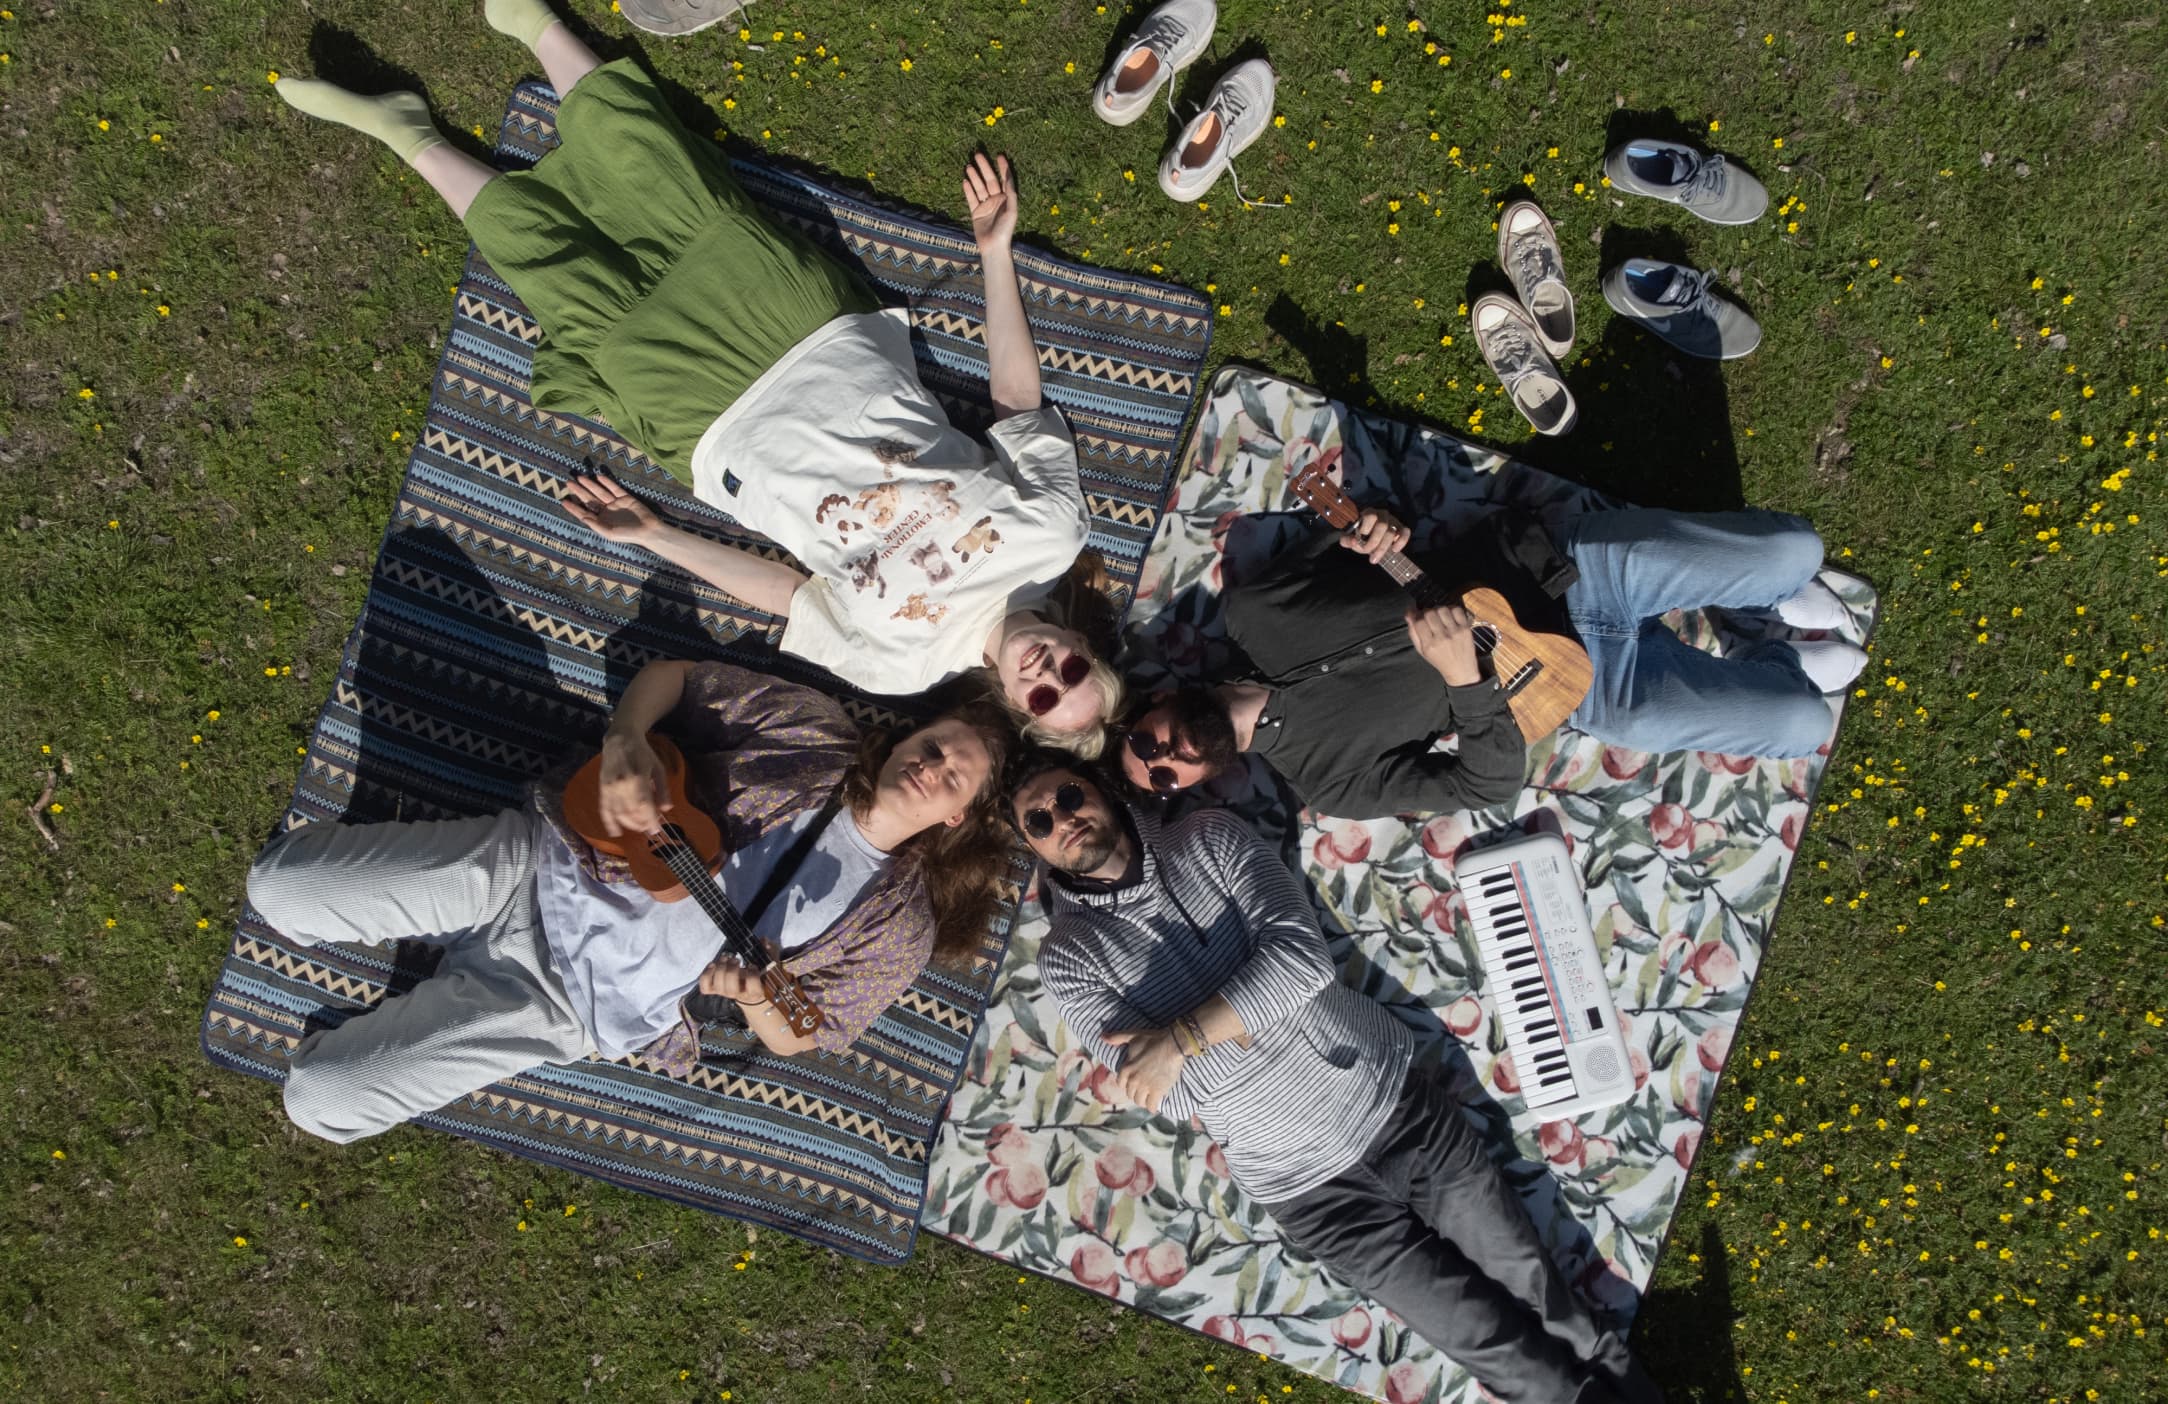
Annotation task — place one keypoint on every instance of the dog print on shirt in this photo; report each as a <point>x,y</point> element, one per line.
<point>981,538</point>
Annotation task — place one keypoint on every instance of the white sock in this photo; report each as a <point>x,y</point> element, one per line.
<point>1830,664</point>
<point>1813,606</point>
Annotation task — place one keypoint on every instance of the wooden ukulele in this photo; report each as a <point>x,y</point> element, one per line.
<point>679,860</point>
<point>1544,676</point>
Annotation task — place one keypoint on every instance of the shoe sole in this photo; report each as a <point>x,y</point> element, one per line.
<point>1513,310</point>
<point>1557,350</point>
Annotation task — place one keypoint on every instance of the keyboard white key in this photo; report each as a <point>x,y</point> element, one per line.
<point>1544,978</point>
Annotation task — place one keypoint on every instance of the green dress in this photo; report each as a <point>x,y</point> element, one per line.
<point>662,290</point>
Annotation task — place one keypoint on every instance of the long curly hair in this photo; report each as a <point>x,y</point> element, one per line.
<point>1083,600</point>
<point>962,864</point>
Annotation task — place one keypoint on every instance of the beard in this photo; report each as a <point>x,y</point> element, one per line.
<point>1092,851</point>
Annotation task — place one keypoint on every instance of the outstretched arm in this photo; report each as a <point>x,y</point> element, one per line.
<point>602,505</point>
<point>1012,357</point>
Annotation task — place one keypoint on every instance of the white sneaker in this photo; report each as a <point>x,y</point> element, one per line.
<point>1236,113</point>
<point>1830,664</point>
<point>1813,606</point>
<point>1169,40</point>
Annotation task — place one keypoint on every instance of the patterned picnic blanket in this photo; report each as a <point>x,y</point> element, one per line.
<point>1684,857</point>
<point>497,634</point>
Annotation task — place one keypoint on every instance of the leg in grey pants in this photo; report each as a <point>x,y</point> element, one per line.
<point>493,1008</point>
<point>1426,1225</point>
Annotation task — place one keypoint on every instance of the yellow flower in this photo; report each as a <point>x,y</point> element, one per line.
<point>1776,143</point>
<point>86,393</point>
<point>1130,176</point>
<point>156,137</point>
<point>211,715</point>
<point>1392,229</point>
<point>1226,310</point>
<point>1069,67</point>
<point>54,808</point>
<point>1850,35</point>
<point>1381,29</point>
<point>1505,73</point>
<point>1415,26</point>
<point>1283,260</point>
<point>1278,120</point>
<point>1377,85</point>
<point>104,126</point>
<point>272,76</point>
<point>1715,125</point>
<point>239,1242</point>
<point>906,66</point>
<point>1887,363</point>
<point>203,923</point>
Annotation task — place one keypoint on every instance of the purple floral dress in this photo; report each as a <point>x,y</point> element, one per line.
<point>760,752</point>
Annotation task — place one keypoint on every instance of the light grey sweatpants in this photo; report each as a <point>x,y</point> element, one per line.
<point>493,1008</point>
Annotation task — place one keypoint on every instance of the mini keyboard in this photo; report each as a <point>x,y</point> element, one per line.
<point>1544,977</point>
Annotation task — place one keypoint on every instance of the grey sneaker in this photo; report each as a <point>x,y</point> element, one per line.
<point>1242,103</point>
<point>1709,186</point>
<point>1528,251</point>
<point>673,18</point>
<point>1513,347</point>
<point>1169,40</point>
<point>1680,305</point>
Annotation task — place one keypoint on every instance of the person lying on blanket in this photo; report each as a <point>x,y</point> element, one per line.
<point>1186,958</point>
<point>764,373</point>
<point>1338,686</point>
<point>553,952</point>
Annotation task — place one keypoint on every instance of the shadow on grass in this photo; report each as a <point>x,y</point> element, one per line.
<point>1665,416</point>
<point>1684,1337</point>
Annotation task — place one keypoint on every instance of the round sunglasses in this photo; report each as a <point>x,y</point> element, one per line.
<point>1151,748</point>
<point>1039,823</point>
<point>1045,697</point>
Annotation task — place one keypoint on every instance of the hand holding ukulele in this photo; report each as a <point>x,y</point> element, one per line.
<point>634,790</point>
<point>1445,635</point>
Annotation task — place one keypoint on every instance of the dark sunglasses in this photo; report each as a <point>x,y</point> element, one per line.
<point>1045,698</point>
<point>1038,823</point>
<point>1151,748</point>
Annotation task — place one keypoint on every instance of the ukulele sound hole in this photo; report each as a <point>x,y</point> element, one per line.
<point>1486,638</point>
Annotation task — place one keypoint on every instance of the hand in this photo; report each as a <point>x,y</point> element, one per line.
<point>1445,636</point>
<point>1376,532</point>
<point>601,504</point>
<point>634,792</point>
<point>990,192</point>
<point>1151,1063</point>
<point>727,978</point>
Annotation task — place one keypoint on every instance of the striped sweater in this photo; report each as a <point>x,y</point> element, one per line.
<point>1215,912</point>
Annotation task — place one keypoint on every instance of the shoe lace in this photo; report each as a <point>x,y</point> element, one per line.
<point>1708,178</point>
<point>1685,289</point>
<point>1513,352</point>
<point>1232,103</point>
<point>1535,261</point>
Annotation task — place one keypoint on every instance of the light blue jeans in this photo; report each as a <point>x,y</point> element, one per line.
<point>1654,692</point>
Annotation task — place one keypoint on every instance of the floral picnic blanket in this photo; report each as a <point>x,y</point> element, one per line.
<point>1684,858</point>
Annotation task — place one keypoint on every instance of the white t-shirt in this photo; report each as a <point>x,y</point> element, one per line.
<point>627,959</point>
<point>918,538</point>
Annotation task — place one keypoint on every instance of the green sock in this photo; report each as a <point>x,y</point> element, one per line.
<point>400,120</point>
<point>524,20</point>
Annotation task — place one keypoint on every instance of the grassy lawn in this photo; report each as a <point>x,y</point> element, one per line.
<point>1935,1171</point>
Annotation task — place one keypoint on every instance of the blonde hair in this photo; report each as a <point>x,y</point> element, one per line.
<point>1090,742</point>
<point>1084,599</point>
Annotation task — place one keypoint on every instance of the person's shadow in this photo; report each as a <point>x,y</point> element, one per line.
<point>1683,1335</point>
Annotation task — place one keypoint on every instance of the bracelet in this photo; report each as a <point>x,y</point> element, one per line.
<point>753,1003</point>
<point>1188,1036</point>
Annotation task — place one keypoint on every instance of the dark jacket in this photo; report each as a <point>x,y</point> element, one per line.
<point>1355,709</point>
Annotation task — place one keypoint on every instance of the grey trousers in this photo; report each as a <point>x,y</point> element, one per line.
<point>1425,1224</point>
<point>494,1007</point>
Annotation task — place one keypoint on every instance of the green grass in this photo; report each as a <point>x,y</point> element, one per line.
<point>252,305</point>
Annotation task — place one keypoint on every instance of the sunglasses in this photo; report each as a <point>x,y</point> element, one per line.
<point>1039,823</point>
<point>1045,697</point>
<point>1151,748</point>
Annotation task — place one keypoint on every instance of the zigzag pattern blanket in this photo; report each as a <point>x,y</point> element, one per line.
<point>498,633</point>
<point>1684,858</point>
